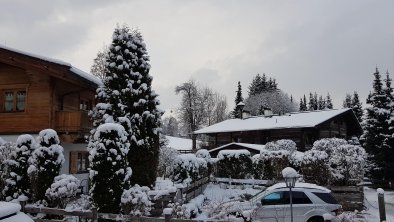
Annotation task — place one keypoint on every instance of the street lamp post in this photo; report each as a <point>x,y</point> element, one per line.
<point>290,176</point>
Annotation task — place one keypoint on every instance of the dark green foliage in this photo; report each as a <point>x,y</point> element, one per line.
<point>377,136</point>
<point>303,105</point>
<point>261,84</point>
<point>234,166</point>
<point>127,98</point>
<point>46,162</point>
<point>357,106</point>
<point>329,102</point>
<point>236,113</point>
<point>109,173</point>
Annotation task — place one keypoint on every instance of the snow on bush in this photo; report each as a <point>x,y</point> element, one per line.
<point>236,164</point>
<point>193,208</point>
<point>17,179</point>
<point>333,161</point>
<point>45,162</point>
<point>5,153</point>
<point>203,153</point>
<point>286,145</point>
<point>187,168</point>
<point>135,201</point>
<point>109,171</point>
<point>62,190</point>
<point>274,162</point>
<point>167,156</point>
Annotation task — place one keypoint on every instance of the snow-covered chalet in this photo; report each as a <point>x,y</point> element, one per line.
<point>303,128</point>
<point>39,93</point>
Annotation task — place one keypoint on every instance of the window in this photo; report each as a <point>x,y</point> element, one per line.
<point>273,199</point>
<point>326,197</point>
<point>79,162</point>
<point>85,105</point>
<point>14,100</point>
<point>297,197</point>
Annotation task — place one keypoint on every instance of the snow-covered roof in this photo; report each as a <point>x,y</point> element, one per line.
<point>180,143</point>
<point>291,120</point>
<point>72,69</point>
<point>257,147</point>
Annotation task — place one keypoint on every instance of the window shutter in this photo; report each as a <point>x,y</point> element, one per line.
<point>73,162</point>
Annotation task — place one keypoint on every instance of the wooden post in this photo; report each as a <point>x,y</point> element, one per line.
<point>167,217</point>
<point>23,204</point>
<point>382,209</point>
<point>94,214</point>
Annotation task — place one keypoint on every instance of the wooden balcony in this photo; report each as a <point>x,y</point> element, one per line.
<point>72,122</point>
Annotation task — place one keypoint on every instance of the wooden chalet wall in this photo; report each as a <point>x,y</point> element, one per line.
<point>55,97</point>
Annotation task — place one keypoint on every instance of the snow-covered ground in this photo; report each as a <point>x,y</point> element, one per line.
<point>371,202</point>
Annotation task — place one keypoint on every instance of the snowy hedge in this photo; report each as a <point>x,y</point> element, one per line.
<point>274,162</point>
<point>236,164</point>
<point>62,190</point>
<point>167,156</point>
<point>136,201</point>
<point>333,161</point>
<point>45,162</point>
<point>282,145</point>
<point>187,168</point>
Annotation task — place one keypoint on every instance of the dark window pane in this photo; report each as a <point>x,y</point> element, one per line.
<point>326,197</point>
<point>20,100</point>
<point>297,197</point>
<point>8,101</point>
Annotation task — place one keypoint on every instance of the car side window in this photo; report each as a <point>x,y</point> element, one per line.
<point>273,199</point>
<point>298,197</point>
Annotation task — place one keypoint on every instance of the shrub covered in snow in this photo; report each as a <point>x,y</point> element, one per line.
<point>45,162</point>
<point>187,168</point>
<point>166,159</point>
<point>236,164</point>
<point>287,145</point>
<point>314,167</point>
<point>17,179</point>
<point>136,201</point>
<point>109,171</point>
<point>274,162</point>
<point>62,190</point>
<point>5,153</point>
<point>334,162</point>
<point>204,154</point>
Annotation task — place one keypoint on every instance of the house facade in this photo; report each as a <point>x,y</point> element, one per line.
<point>303,128</point>
<point>37,93</point>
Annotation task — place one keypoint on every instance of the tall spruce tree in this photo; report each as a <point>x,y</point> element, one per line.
<point>255,86</point>
<point>329,102</point>
<point>238,98</point>
<point>127,98</point>
<point>376,136</point>
<point>357,106</point>
<point>347,103</point>
<point>303,105</point>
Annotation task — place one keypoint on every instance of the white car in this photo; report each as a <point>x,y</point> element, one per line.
<point>310,202</point>
<point>10,212</point>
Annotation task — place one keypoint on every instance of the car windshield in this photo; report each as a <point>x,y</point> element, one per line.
<point>326,197</point>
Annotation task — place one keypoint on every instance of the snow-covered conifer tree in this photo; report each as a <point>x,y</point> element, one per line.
<point>347,103</point>
<point>329,102</point>
<point>357,106</point>
<point>126,97</point>
<point>17,179</point>
<point>376,137</point>
<point>45,162</point>
<point>109,171</point>
<point>238,98</point>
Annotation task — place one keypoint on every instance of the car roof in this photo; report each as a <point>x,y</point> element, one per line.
<point>298,185</point>
<point>7,208</point>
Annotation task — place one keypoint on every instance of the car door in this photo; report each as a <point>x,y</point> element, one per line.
<point>301,206</point>
<point>271,208</point>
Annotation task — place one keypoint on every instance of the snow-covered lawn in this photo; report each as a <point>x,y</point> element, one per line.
<point>371,202</point>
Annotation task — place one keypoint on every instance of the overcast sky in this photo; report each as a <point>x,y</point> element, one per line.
<point>323,46</point>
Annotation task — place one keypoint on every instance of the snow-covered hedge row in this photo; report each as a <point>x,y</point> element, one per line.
<point>187,168</point>
<point>236,164</point>
<point>136,201</point>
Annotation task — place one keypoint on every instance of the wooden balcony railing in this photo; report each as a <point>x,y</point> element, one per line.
<point>73,121</point>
